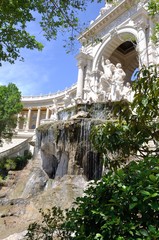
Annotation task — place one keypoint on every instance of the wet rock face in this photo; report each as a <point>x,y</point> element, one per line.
<point>65,145</point>
<point>66,149</point>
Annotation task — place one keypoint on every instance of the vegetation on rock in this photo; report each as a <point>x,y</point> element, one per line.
<point>13,163</point>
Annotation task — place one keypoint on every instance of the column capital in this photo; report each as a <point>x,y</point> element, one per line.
<point>82,59</point>
<point>141,23</point>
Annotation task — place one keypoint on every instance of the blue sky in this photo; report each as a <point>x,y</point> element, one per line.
<point>47,71</point>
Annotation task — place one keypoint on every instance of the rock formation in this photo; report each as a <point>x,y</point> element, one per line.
<point>63,162</point>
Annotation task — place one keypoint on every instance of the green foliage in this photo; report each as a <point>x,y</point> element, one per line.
<point>10,106</point>
<point>123,205</point>
<point>54,16</point>
<point>52,226</point>
<point>10,164</point>
<point>153,6</point>
<point>14,163</point>
<point>136,124</point>
<point>153,9</point>
<point>14,16</point>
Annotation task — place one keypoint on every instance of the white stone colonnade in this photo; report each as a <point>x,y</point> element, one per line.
<point>30,117</point>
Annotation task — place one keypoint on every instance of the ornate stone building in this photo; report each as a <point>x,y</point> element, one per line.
<point>116,43</point>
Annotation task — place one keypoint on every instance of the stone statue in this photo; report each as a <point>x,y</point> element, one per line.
<point>127,92</point>
<point>117,82</point>
<point>108,68</point>
<point>106,8</point>
<point>68,101</point>
<point>106,76</point>
<point>54,110</point>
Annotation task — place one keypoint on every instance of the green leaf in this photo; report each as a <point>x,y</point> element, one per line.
<point>132,205</point>
<point>154,195</point>
<point>146,193</point>
<point>144,232</point>
<point>152,178</point>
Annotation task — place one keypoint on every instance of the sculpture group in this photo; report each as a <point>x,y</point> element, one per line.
<point>111,86</point>
<point>111,82</point>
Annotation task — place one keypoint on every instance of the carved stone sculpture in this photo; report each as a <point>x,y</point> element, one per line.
<point>117,82</point>
<point>127,92</point>
<point>54,111</point>
<point>106,8</point>
<point>106,78</point>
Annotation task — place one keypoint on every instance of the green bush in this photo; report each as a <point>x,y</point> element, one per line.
<point>123,205</point>
<point>10,164</point>
<point>15,163</point>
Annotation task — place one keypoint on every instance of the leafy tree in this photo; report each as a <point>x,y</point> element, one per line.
<point>55,16</point>
<point>10,106</point>
<point>15,15</point>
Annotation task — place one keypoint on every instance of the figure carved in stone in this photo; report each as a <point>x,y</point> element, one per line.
<point>106,8</point>
<point>68,101</point>
<point>106,77</point>
<point>54,110</point>
<point>117,82</point>
<point>127,92</point>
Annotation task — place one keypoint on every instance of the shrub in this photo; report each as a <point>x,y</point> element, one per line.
<point>123,205</point>
<point>16,163</point>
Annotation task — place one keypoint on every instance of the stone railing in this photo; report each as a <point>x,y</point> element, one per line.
<point>17,150</point>
<point>50,95</point>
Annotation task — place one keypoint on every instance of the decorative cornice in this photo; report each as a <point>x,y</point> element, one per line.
<point>106,19</point>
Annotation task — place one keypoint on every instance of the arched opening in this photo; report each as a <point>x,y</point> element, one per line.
<point>119,48</point>
<point>126,54</point>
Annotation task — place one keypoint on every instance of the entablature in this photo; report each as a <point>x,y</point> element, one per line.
<point>124,10</point>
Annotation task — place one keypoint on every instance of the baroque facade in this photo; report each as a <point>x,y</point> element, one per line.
<point>117,43</point>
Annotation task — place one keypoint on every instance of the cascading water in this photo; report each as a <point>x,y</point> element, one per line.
<point>65,144</point>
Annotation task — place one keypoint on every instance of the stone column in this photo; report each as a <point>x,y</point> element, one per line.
<point>47,113</point>
<point>82,62</point>
<point>38,117</point>
<point>18,124</point>
<point>79,93</point>
<point>28,119</point>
